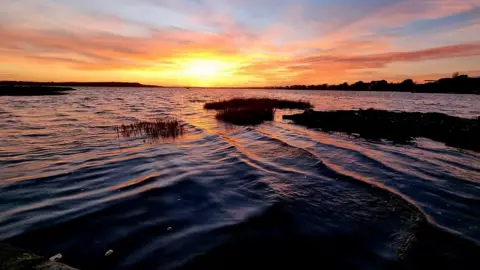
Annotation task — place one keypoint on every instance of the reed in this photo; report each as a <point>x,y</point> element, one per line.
<point>160,128</point>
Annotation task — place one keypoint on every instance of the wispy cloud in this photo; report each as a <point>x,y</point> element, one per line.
<point>264,41</point>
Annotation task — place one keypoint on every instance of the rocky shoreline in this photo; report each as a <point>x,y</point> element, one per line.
<point>13,258</point>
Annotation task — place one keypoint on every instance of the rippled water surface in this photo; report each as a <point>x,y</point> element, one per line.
<point>224,197</point>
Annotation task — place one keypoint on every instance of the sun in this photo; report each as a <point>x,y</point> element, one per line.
<point>206,71</point>
<point>204,68</point>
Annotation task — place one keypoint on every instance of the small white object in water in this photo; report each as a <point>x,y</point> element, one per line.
<point>108,253</point>
<point>56,257</point>
<point>169,228</point>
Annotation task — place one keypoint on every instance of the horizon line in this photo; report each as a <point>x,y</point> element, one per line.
<point>218,87</point>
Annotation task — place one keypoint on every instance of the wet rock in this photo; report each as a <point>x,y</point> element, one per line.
<point>53,266</point>
<point>16,259</point>
<point>56,257</point>
<point>13,258</point>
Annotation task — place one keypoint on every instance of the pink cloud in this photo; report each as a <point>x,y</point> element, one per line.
<point>293,49</point>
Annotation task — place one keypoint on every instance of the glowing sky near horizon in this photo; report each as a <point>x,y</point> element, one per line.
<point>238,43</point>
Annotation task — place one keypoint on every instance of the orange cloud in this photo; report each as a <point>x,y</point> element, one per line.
<point>293,49</point>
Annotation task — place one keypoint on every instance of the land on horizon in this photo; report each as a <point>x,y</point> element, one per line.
<point>79,84</point>
<point>457,84</point>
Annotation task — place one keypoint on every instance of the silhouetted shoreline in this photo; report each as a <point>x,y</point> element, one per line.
<point>457,84</point>
<point>76,84</point>
<point>32,90</point>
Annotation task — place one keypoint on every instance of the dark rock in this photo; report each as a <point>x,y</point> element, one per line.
<point>13,258</point>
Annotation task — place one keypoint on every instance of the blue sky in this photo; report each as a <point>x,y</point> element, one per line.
<point>243,42</point>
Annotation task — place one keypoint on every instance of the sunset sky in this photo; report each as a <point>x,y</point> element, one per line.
<point>238,42</point>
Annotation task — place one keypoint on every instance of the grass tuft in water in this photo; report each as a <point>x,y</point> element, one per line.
<point>246,116</point>
<point>399,127</point>
<point>257,103</point>
<point>252,111</point>
<point>160,128</point>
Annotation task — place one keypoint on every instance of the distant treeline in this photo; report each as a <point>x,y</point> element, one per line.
<point>457,84</point>
<point>77,84</point>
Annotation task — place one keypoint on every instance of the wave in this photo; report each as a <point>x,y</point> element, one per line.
<point>272,196</point>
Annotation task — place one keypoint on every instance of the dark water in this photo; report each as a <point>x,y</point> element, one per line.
<point>223,197</point>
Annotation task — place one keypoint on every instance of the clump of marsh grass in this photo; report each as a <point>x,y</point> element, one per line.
<point>398,127</point>
<point>252,111</point>
<point>258,103</point>
<point>246,116</point>
<point>160,128</point>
